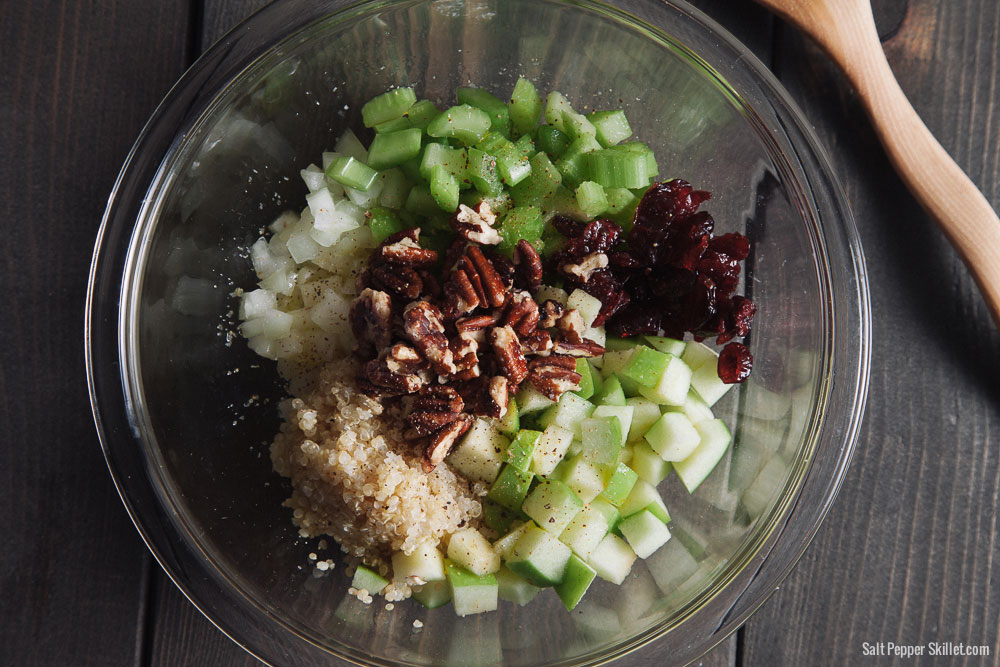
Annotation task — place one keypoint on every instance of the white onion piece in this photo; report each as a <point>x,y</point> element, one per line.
<point>282,221</point>
<point>273,324</point>
<point>328,158</point>
<point>349,144</point>
<point>331,313</point>
<point>281,281</point>
<point>256,303</point>
<point>262,345</point>
<point>366,198</point>
<point>313,177</point>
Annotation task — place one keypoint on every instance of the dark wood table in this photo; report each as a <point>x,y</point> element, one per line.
<point>910,553</point>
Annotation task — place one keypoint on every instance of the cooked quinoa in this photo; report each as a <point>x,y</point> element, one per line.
<point>357,480</point>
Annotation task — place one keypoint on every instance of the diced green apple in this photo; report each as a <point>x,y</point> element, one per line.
<point>667,345</point>
<point>603,437</point>
<point>433,594</point>
<point>568,413</point>
<point>622,412</point>
<point>645,413</point>
<point>644,496</point>
<point>539,557</point>
<point>510,487</point>
<point>472,593</point>
<point>505,545</point>
<point>673,436</point>
<point>612,559</point>
<point>647,366</point>
<point>583,476</point>
<point>530,400</point>
<point>648,465</point>
<point>515,588</point>
<point>576,580</point>
<point>480,454</point>
<point>620,484</point>
<point>469,549</point>
<point>425,562</point>
<point>697,355</point>
<point>586,372</point>
<point>369,580</point>
<point>552,504</point>
<point>611,392</point>
<point>586,530</point>
<point>672,387</point>
<point>644,533</point>
<point>510,423</point>
<point>588,306</point>
<point>521,449</point>
<point>708,384</point>
<point>714,441</point>
<point>550,449</point>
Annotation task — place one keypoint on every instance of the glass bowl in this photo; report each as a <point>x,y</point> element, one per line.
<point>185,411</point>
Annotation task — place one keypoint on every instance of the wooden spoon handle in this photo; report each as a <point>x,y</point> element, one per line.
<point>846,30</point>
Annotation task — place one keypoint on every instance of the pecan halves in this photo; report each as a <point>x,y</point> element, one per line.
<point>403,248</point>
<point>549,313</point>
<point>371,317</point>
<point>402,281</point>
<point>507,349</point>
<point>554,375</point>
<point>434,407</point>
<point>527,266</point>
<point>571,325</point>
<point>474,282</point>
<point>521,314</point>
<point>464,348</point>
<point>582,269</point>
<point>538,342</point>
<point>476,322</point>
<point>422,325</point>
<point>476,224</point>
<point>398,370</point>
<point>583,348</point>
<point>441,442</point>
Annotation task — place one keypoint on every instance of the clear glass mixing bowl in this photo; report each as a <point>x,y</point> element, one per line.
<point>185,411</point>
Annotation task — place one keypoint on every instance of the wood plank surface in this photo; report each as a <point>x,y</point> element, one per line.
<point>908,553</point>
<point>73,96</point>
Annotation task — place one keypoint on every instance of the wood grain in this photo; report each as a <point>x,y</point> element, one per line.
<point>908,553</point>
<point>74,98</point>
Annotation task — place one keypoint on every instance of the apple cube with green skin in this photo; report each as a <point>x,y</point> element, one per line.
<point>472,593</point>
<point>588,306</point>
<point>498,518</point>
<point>522,448</point>
<point>644,496</point>
<point>622,412</point>
<point>568,413</point>
<point>694,408</point>
<point>586,530</point>
<point>645,413</point>
<point>505,545</point>
<point>648,465</point>
<point>612,559</point>
<point>611,393</point>
<point>369,580</point>
<point>647,366</point>
<point>514,588</point>
<point>612,515</point>
<point>433,594</point>
<point>510,423</point>
<point>550,449</point>
<point>708,384</point>
<point>530,400</point>
<point>426,562</point>
<point>603,438</point>
<point>585,478</point>
<point>714,442</point>
<point>480,454</point>
<point>470,550</point>
<point>510,487</point>
<point>539,557</point>
<point>673,385</point>
<point>696,355</point>
<point>552,504</point>
<point>576,580</point>
<point>587,384</point>
<point>620,484</point>
<point>667,345</point>
<point>673,436</point>
<point>644,533</point>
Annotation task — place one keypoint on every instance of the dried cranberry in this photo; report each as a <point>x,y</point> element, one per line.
<point>735,245</point>
<point>735,363</point>
<point>665,201</point>
<point>722,269</point>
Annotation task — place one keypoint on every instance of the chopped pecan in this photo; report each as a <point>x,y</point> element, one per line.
<point>503,266</point>
<point>583,348</point>
<point>476,225</point>
<point>521,314</point>
<point>527,266</point>
<point>442,441</point>
<point>571,325</point>
<point>434,407</point>
<point>422,324</point>
<point>554,375</point>
<point>399,369</point>
<point>476,322</point>
<point>584,268</point>
<point>549,313</point>
<point>486,396</point>
<point>407,252</point>
<point>464,348</point>
<point>498,397</point>
<point>371,317</point>
<point>507,348</point>
<point>474,282</point>
<point>403,281</point>
<point>538,342</point>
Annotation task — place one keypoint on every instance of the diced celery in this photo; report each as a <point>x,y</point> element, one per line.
<point>383,223</point>
<point>513,166</point>
<point>617,168</point>
<point>391,149</point>
<point>387,106</point>
<point>591,198</point>
<point>395,188</point>
<point>482,171</point>
<point>352,173</point>
<point>420,202</point>
<point>422,113</point>
<point>525,145</point>
<point>523,222</point>
<point>572,165</point>
<point>394,125</point>
<point>552,141</point>
<point>455,160</point>
<point>576,125</point>
<point>556,108</point>
<point>644,150</point>
<point>444,188</point>
<point>612,126</point>
<point>463,122</point>
<point>497,110</point>
<point>541,183</point>
<point>525,106</point>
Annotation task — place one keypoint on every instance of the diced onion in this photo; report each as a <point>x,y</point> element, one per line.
<point>256,303</point>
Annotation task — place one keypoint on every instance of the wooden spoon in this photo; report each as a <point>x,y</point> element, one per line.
<point>845,29</point>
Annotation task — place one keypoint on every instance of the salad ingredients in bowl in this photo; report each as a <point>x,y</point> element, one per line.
<point>462,423</point>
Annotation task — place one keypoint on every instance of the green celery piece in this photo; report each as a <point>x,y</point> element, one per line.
<point>521,449</point>
<point>482,171</point>
<point>513,166</point>
<point>556,108</point>
<point>352,173</point>
<point>455,160</point>
<point>618,168</point>
<point>482,99</point>
<point>541,182</point>
<point>492,143</point>
<point>612,126</point>
<point>499,204</point>
<point>395,188</point>
<point>394,125</point>
<point>522,222</point>
<point>384,223</point>
<point>643,149</point>
<point>444,188</point>
<point>422,113</point>
<point>578,126</point>
<point>387,106</point>
<point>525,106</point>
<point>420,202</point>
<point>591,198</point>
<point>621,206</point>
<point>510,487</point>
<point>525,145</point>
<point>572,165</point>
<point>391,149</point>
<point>552,240</point>
<point>463,122</point>
<point>552,141</point>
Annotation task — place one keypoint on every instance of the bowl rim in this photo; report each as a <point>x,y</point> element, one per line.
<point>209,67</point>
